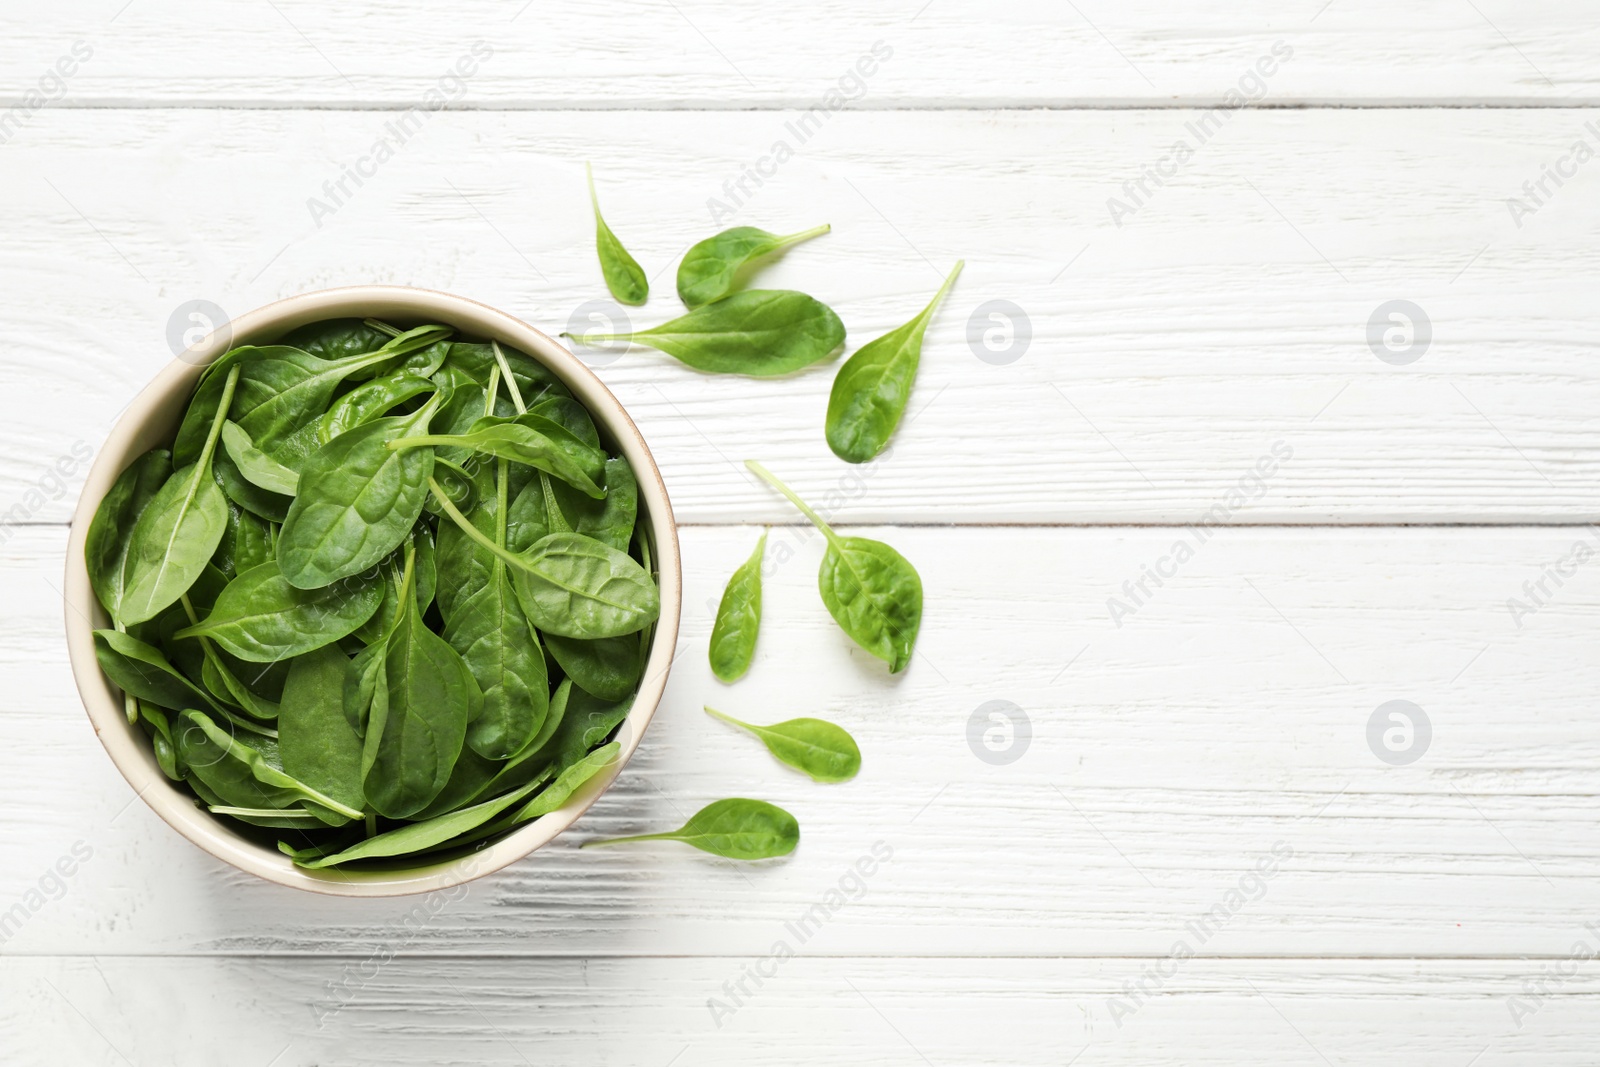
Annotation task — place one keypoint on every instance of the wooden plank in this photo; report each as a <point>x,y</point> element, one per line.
<point>369,1010</point>
<point>723,54</point>
<point>1224,725</point>
<point>1170,357</point>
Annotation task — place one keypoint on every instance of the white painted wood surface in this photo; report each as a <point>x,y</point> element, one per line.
<point>727,54</point>
<point>1168,355</point>
<point>1420,914</point>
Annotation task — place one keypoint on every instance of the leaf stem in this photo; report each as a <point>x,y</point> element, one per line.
<point>490,394</point>
<point>426,440</point>
<point>772,480</point>
<point>262,813</point>
<point>669,836</point>
<point>804,235</point>
<point>555,518</point>
<point>221,417</point>
<point>469,529</point>
<point>511,379</point>
<point>382,327</point>
<point>714,713</point>
<point>409,576</point>
<point>955,273</point>
<point>594,340</point>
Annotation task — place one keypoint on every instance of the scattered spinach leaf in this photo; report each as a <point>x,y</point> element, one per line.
<point>736,828</point>
<point>812,746</point>
<point>712,269</point>
<point>733,635</point>
<point>624,277</point>
<point>761,333</point>
<point>871,390</point>
<point>872,591</point>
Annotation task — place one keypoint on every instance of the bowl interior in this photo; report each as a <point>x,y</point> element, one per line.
<point>152,420</point>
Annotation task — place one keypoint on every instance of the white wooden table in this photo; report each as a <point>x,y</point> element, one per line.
<point>1090,894</point>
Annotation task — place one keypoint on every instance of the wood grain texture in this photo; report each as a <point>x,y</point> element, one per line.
<point>367,1010</point>
<point>724,54</point>
<point>1168,356</point>
<point>1221,727</point>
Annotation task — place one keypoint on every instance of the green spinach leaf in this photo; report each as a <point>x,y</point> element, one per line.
<point>872,591</point>
<point>624,277</point>
<point>606,667</point>
<point>227,765</point>
<point>530,439</point>
<point>812,746</point>
<point>371,400</point>
<point>761,333</point>
<point>358,501</point>
<point>317,744</point>
<point>871,390</point>
<point>736,828</point>
<point>105,548</point>
<point>261,618</point>
<point>177,533</point>
<point>571,585</point>
<point>733,635</point>
<point>712,269</point>
<point>501,650</point>
<point>256,466</point>
<point>412,742</point>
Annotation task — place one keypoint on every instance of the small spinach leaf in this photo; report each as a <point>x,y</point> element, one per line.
<point>530,439</point>
<point>316,742</point>
<point>105,548</point>
<point>812,746</point>
<point>418,835</point>
<point>412,741</point>
<point>871,390</point>
<point>607,667</point>
<point>733,635</point>
<point>206,747</point>
<point>257,467</point>
<point>492,635</point>
<point>261,618</point>
<point>358,501</point>
<point>572,585</point>
<point>872,591</point>
<point>177,533</point>
<point>761,333</point>
<point>371,400</point>
<point>737,828</point>
<point>711,269</point>
<point>624,277</point>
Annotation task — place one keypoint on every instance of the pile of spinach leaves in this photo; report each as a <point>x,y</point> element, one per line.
<point>384,597</point>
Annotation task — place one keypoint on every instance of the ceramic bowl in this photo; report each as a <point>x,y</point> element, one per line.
<point>152,420</point>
